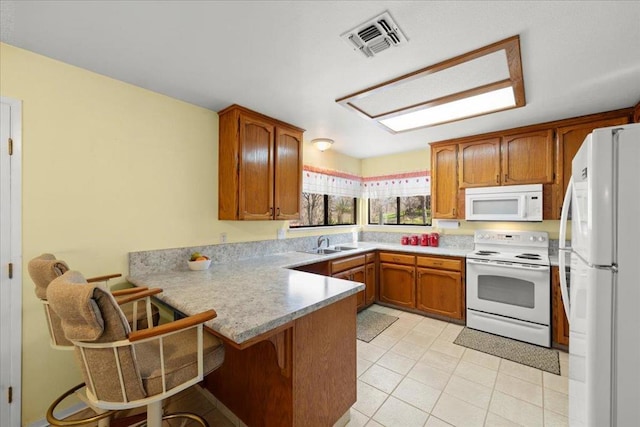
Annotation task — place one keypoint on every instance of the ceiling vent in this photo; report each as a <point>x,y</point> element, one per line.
<point>375,36</point>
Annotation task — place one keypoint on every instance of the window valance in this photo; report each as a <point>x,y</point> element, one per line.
<point>323,181</point>
<point>399,185</point>
<point>333,183</point>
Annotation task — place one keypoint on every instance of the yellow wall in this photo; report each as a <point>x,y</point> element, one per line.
<point>108,168</point>
<point>330,160</point>
<point>410,161</point>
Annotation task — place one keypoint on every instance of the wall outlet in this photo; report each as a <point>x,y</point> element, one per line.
<point>282,233</point>
<point>223,237</point>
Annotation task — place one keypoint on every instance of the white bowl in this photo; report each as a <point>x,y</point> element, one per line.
<point>199,265</point>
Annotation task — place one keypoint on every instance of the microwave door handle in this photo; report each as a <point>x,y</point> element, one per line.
<point>563,249</point>
<point>523,206</point>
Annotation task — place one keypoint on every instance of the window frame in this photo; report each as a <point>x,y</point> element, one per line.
<point>398,223</point>
<point>325,202</point>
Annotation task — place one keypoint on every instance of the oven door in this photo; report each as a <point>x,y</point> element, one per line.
<point>511,290</point>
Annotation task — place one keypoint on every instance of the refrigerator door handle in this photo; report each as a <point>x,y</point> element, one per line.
<point>562,246</point>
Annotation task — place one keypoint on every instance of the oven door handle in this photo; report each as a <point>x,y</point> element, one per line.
<point>508,265</point>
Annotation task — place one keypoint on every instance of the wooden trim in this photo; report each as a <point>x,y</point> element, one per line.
<point>136,296</point>
<point>510,45</point>
<point>103,278</point>
<point>636,113</point>
<point>260,116</point>
<point>432,69</point>
<point>128,291</point>
<point>177,325</point>
<point>283,343</point>
<point>538,126</point>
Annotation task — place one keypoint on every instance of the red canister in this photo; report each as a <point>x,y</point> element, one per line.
<point>434,239</point>
<point>404,240</point>
<point>414,240</point>
<point>424,240</point>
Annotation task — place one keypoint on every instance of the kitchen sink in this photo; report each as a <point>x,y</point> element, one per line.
<point>345,248</point>
<point>322,251</point>
<point>332,250</point>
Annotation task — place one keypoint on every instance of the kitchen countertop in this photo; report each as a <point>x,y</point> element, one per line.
<point>251,296</point>
<point>256,295</point>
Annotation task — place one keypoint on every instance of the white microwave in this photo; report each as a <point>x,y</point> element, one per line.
<point>504,203</point>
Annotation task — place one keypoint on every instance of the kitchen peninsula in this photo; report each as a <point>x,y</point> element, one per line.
<point>289,335</point>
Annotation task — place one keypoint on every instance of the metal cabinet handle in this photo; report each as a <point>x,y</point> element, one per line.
<point>506,177</point>
<point>498,179</point>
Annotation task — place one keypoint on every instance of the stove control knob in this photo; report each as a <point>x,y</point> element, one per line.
<point>541,239</point>
<point>532,238</point>
<point>486,236</point>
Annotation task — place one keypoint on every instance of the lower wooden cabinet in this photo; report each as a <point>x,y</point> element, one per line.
<point>440,292</point>
<point>397,279</point>
<point>559,322</point>
<point>370,282</point>
<point>357,269</point>
<point>440,286</point>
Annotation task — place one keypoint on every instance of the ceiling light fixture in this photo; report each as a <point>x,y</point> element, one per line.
<point>322,144</point>
<point>486,80</point>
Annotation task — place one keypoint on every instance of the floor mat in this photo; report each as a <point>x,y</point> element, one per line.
<point>516,351</point>
<point>371,324</point>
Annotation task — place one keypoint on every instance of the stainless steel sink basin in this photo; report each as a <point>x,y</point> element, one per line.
<point>322,251</point>
<point>345,248</point>
<point>327,251</point>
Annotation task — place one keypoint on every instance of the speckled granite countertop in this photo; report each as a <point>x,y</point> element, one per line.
<point>250,296</point>
<point>256,295</point>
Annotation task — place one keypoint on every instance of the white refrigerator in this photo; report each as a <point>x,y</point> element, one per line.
<point>603,300</point>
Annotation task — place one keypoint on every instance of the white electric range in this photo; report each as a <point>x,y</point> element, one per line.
<point>508,285</point>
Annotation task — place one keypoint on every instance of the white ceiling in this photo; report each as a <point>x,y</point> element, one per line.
<point>286,58</point>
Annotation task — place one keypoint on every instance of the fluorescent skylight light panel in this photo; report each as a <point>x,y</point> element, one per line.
<point>496,100</point>
<point>485,80</point>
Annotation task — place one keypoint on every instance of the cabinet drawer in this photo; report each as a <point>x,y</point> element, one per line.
<point>371,257</point>
<point>440,263</point>
<point>347,263</point>
<point>398,258</point>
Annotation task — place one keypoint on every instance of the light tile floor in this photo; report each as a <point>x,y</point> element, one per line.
<point>413,375</point>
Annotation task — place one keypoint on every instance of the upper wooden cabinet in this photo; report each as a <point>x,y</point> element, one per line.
<point>570,139</point>
<point>527,158</point>
<point>526,155</point>
<point>444,185</point>
<point>259,167</point>
<point>479,163</point>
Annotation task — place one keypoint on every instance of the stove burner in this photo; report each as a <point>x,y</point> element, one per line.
<point>529,256</point>
<point>487,253</point>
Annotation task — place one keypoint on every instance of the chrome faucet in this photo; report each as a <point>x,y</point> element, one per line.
<point>322,239</point>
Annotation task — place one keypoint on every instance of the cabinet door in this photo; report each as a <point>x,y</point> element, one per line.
<point>356,275</point>
<point>370,292</point>
<point>288,173</point>
<point>527,158</point>
<point>256,169</point>
<point>479,163</point>
<point>397,285</point>
<point>570,138</point>
<point>560,325</point>
<point>440,292</point>
<point>444,185</point>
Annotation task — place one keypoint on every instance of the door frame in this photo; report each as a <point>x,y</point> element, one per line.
<point>14,313</point>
